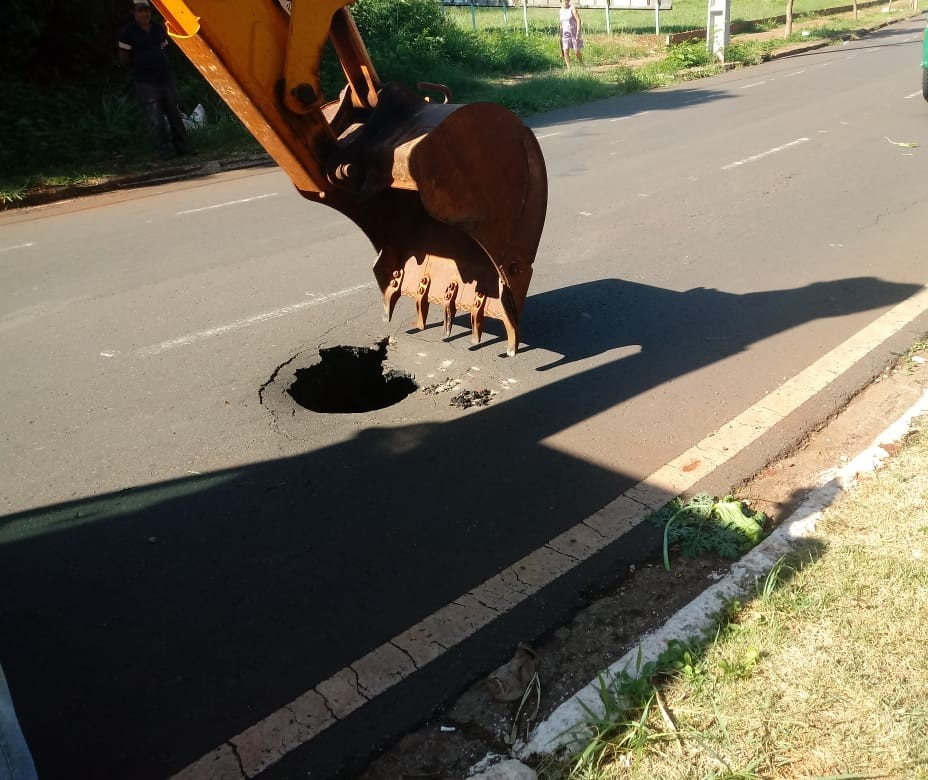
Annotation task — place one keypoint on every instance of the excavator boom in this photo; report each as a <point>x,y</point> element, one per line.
<point>452,197</point>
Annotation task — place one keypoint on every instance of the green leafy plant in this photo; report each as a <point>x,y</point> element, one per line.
<point>689,55</point>
<point>702,525</point>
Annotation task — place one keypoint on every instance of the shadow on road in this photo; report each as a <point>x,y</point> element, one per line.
<point>141,629</point>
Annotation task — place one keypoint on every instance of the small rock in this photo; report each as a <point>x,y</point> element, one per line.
<point>508,770</point>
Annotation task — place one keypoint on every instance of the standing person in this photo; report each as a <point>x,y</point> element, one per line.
<point>141,46</point>
<point>571,37</point>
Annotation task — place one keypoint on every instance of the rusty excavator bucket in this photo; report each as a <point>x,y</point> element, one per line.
<point>453,197</point>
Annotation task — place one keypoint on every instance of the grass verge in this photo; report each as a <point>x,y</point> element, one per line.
<point>823,673</point>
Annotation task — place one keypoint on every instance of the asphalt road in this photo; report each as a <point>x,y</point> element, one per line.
<point>184,550</point>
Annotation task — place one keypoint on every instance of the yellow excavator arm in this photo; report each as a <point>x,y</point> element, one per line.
<point>452,197</point>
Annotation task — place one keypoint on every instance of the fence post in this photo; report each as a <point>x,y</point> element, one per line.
<point>473,15</point>
<point>608,26</point>
<point>525,15</point>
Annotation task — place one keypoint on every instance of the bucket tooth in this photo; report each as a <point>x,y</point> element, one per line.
<point>422,301</point>
<point>476,318</point>
<point>392,294</point>
<point>451,293</point>
<point>510,318</point>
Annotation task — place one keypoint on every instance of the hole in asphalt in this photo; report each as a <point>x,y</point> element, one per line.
<point>350,379</point>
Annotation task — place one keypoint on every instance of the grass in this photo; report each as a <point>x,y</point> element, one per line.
<point>823,673</point>
<point>685,15</point>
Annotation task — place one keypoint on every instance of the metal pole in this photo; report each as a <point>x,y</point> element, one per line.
<point>473,15</point>
<point>608,26</point>
<point>525,15</point>
<point>657,17</point>
<point>506,12</point>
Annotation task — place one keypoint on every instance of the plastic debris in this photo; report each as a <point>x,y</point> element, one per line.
<point>509,682</point>
<point>196,118</point>
<point>904,144</point>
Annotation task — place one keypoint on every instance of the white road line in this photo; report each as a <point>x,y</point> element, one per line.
<point>755,84</point>
<point>630,116</point>
<point>760,156</point>
<point>549,135</point>
<point>18,246</point>
<point>794,73</point>
<point>914,94</point>
<point>183,341</point>
<point>228,203</point>
<point>261,746</point>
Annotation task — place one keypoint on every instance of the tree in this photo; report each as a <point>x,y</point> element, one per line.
<point>789,19</point>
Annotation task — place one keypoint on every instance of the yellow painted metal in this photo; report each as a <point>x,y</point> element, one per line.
<point>309,29</point>
<point>241,49</point>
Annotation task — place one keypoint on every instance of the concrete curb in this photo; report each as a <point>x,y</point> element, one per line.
<point>564,728</point>
<point>802,48</point>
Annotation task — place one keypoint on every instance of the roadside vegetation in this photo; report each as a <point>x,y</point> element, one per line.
<point>823,673</point>
<point>70,115</point>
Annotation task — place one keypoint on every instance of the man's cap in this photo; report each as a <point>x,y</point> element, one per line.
<point>144,3</point>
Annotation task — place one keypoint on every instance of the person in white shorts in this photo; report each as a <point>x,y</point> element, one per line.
<point>571,36</point>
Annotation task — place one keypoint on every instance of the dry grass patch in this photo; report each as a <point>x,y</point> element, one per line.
<point>823,674</point>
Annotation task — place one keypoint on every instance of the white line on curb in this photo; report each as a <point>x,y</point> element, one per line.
<point>564,725</point>
<point>267,741</point>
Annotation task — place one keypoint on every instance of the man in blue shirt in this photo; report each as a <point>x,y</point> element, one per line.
<point>141,46</point>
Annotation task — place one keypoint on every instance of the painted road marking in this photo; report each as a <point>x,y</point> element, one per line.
<point>227,203</point>
<point>755,84</point>
<point>794,73</point>
<point>630,116</point>
<point>760,156</point>
<point>311,713</point>
<point>283,311</point>
<point>18,246</point>
<point>914,94</point>
<point>549,135</point>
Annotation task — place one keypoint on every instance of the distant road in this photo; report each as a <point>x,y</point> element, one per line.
<point>181,558</point>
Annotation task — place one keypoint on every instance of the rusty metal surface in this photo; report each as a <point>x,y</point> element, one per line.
<point>453,197</point>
